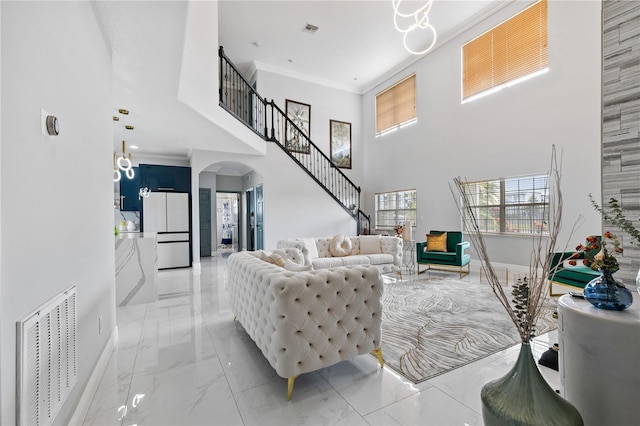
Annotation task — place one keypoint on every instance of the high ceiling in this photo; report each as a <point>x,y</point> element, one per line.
<point>355,47</point>
<point>356,42</point>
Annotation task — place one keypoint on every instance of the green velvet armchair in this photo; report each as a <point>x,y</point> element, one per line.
<point>453,258</point>
<point>574,277</point>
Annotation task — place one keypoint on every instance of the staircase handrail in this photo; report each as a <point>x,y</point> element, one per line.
<point>291,123</point>
<point>244,102</point>
<point>228,62</point>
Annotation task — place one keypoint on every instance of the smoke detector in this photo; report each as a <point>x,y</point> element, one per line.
<point>311,29</point>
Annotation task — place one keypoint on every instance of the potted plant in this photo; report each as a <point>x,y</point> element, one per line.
<point>615,215</point>
<point>600,255</point>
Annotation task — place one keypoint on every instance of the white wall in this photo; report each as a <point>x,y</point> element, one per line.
<point>509,133</point>
<point>326,104</point>
<point>54,57</point>
<point>293,205</point>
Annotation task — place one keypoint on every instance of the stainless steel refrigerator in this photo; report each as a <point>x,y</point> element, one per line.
<point>167,213</point>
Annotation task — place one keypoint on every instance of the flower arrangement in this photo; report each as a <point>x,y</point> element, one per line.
<point>398,229</point>
<point>615,215</point>
<point>605,259</point>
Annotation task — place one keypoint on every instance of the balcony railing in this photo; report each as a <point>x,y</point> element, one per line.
<point>268,121</point>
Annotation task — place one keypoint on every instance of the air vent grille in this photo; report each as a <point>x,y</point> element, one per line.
<point>47,359</point>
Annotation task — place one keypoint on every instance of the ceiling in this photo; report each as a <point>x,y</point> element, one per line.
<point>355,47</point>
<point>356,42</point>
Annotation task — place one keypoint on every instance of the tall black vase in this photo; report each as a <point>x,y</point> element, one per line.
<point>523,397</point>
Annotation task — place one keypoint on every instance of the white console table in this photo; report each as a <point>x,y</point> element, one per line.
<point>600,360</point>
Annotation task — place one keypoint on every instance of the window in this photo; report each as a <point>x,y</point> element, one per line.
<point>393,208</point>
<point>513,205</point>
<point>504,55</point>
<point>396,106</point>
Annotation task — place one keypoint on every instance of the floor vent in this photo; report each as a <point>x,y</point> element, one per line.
<point>46,357</point>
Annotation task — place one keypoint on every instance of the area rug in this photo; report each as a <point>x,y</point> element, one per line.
<point>434,325</point>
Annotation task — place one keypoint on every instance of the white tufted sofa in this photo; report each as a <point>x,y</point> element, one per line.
<point>304,321</point>
<point>383,252</point>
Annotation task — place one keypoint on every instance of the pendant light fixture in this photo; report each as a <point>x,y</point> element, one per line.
<point>123,162</point>
<point>411,21</point>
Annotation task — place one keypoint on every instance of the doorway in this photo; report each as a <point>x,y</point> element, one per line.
<point>227,221</point>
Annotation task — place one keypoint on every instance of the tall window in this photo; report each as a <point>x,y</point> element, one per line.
<point>511,205</point>
<point>393,208</point>
<point>513,50</point>
<point>396,106</point>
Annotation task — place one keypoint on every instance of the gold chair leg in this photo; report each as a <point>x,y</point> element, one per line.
<point>378,353</point>
<point>290,387</point>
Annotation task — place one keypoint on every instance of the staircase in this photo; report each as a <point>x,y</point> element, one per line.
<point>269,122</point>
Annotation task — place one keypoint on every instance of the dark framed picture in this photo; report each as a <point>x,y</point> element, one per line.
<point>340,146</point>
<point>297,137</point>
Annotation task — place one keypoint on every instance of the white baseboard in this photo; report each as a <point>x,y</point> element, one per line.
<point>82,408</point>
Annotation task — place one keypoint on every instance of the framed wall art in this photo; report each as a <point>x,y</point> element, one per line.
<point>340,146</point>
<point>300,115</point>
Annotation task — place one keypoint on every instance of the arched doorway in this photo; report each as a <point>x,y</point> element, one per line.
<point>226,191</point>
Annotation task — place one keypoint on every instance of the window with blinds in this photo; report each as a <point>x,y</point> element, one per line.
<point>513,50</point>
<point>518,205</point>
<point>396,106</point>
<point>393,208</point>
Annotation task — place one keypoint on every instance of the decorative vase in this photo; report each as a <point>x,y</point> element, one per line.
<point>605,292</point>
<point>523,397</point>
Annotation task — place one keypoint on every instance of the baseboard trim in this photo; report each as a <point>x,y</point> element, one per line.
<point>82,408</point>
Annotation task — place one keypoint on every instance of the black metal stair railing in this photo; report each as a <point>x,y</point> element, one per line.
<point>267,120</point>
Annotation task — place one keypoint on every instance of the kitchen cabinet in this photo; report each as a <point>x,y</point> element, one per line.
<point>129,192</point>
<point>165,178</point>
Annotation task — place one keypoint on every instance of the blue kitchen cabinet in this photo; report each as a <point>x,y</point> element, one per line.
<point>129,192</point>
<point>165,178</point>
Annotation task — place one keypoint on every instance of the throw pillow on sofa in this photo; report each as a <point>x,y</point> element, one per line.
<point>437,242</point>
<point>340,246</point>
<point>370,244</point>
<point>310,244</point>
<point>294,267</point>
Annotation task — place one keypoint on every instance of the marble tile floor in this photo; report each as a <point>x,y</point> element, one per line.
<point>183,361</point>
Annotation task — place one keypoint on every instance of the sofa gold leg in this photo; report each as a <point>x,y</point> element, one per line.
<point>378,353</point>
<point>290,387</point>
<point>235,318</point>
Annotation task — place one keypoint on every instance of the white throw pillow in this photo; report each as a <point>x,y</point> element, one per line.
<point>340,246</point>
<point>294,267</point>
<point>310,244</point>
<point>370,244</point>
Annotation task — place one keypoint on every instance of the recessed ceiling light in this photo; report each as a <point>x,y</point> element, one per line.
<point>133,146</point>
<point>309,28</point>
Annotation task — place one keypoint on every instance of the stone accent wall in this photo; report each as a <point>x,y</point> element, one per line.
<point>621,120</point>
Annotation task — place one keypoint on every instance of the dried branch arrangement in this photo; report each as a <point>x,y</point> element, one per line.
<point>525,304</point>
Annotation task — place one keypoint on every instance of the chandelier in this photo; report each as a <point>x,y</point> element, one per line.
<point>417,20</point>
<point>122,164</point>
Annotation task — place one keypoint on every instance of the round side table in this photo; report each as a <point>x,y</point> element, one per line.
<point>600,360</point>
